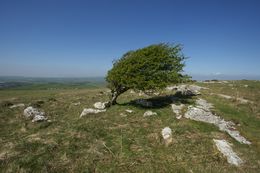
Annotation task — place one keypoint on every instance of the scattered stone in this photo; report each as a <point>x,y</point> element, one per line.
<point>203,104</point>
<point>225,148</point>
<point>129,111</point>
<point>144,103</point>
<point>201,112</point>
<point>216,81</point>
<point>132,92</point>
<point>17,105</point>
<point>177,109</point>
<point>76,104</point>
<point>38,118</point>
<point>186,91</point>
<point>34,114</point>
<point>244,101</point>
<point>123,115</point>
<point>91,111</point>
<point>149,113</point>
<point>167,135</point>
<point>100,105</point>
<point>170,88</point>
<point>225,96</point>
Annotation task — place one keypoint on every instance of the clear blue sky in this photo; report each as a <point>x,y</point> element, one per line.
<point>72,38</point>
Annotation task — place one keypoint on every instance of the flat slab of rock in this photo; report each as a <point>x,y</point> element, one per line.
<point>34,114</point>
<point>187,90</point>
<point>100,105</point>
<point>149,113</point>
<point>17,105</point>
<point>225,148</point>
<point>167,135</point>
<point>91,111</point>
<point>38,118</point>
<point>129,111</point>
<point>201,112</point>
<point>177,109</point>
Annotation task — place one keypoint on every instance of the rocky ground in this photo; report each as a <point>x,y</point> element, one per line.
<point>201,127</point>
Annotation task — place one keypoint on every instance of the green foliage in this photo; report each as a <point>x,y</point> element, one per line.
<point>148,68</point>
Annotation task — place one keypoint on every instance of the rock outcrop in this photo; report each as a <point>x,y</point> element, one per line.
<point>34,114</point>
<point>100,105</point>
<point>177,109</point>
<point>149,113</point>
<point>225,148</point>
<point>167,135</point>
<point>202,112</point>
<point>91,111</point>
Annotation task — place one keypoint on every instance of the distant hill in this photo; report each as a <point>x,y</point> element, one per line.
<point>49,83</point>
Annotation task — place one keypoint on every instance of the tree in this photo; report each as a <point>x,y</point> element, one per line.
<point>149,68</point>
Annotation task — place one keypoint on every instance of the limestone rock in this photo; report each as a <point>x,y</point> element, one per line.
<point>17,105</point>
<point>34,114</point>
<point>100,105</point>
<point>167,135</point>
<point>129,111</point>
<point>201,112</point>
<point>91,111</point>
<point>37,118</point>
<point>225,148</point>
<point>149,113</point>
<point>177,109</point>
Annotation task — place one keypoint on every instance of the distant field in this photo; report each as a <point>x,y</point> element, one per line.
<point>20,83</point>
<point>110,142</point>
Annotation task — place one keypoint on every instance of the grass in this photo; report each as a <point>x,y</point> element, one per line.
<point>108,142</point>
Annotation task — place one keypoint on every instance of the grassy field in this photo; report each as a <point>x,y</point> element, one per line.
<point>109,142</point>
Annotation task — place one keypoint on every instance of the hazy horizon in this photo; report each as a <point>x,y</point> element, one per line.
<point>198,77</point>
<point>77,38</point>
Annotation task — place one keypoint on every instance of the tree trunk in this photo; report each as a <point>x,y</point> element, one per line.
<point>114,96</point>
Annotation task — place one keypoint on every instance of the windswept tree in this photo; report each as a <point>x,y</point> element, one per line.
<point>147,69</point>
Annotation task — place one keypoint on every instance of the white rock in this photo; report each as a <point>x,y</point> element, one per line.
<point>202,113</point>
<point>38,118</point>
<point>245,86</point>
<point>17,105</point>
<point>76,104</point>
<point>225,148</point>
<point>203,104</point>
<point>132,92</point>
<point>187,90</point>
<point>244,101</point>
<point>91,111</point>
<point>123,115</point>
<point>224,96</point>
<point>34,114</point>
<point>167,135</point>
<point>149,113</point>
<point>100,105</point>
<point>31,112</point>
<point>170,88</point>
<point>129,110</point>
<point>177,109</point>
<point>166,132</point>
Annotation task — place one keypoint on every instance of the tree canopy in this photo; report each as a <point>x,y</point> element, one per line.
<point>149,68</point>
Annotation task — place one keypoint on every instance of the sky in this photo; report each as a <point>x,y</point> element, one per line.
<point>81,38</point>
